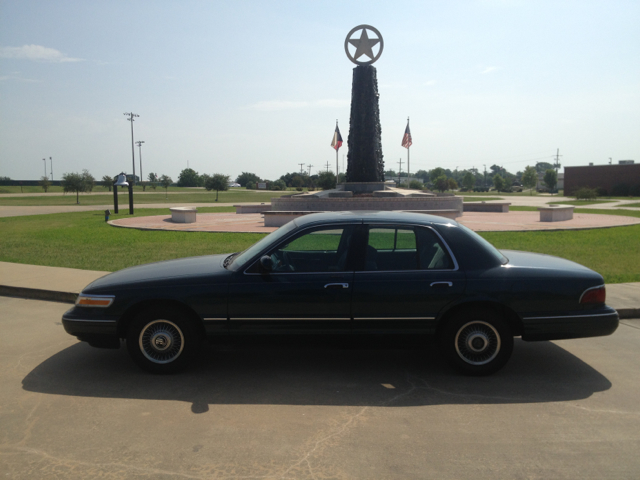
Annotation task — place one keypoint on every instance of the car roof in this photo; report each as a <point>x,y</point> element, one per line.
<point>365,216</point>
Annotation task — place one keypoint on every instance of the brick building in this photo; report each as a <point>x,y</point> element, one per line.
<point>609,178</point>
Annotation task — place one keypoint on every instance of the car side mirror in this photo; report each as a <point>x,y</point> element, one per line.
<point>266,263</point>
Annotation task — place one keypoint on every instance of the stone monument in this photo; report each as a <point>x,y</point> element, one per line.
<point>365,160</point>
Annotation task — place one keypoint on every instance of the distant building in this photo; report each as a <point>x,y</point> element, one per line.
<point>610,179</point>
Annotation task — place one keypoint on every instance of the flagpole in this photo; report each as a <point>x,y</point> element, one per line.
<point>337,172</point>
<point>408,166</point>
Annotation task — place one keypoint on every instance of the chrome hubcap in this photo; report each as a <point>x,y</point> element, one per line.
<point>161,341</point>
<point>477,342</point>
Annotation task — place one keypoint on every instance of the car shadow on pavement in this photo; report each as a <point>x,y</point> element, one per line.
<point>320,374</point>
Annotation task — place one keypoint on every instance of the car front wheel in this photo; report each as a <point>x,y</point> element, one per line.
<point>477,342</point>
<point>162,341</point>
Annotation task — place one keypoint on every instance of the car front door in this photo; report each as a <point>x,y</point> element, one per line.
<point>408,275</point>
<point>308,288</point>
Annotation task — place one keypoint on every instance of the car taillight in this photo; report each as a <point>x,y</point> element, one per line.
<point>594,295</point>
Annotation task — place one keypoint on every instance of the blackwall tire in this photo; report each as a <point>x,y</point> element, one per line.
<point>163,341</point>
<point>476,342</point>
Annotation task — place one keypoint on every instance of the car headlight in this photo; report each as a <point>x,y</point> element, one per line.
<point>100,301</point>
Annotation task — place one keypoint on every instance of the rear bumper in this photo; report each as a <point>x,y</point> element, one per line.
<point>597,323</point>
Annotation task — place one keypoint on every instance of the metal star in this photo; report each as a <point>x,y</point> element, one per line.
<point>363,45</point>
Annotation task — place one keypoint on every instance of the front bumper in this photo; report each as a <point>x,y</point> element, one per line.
<point>95,329</point>
<point>596,323</point>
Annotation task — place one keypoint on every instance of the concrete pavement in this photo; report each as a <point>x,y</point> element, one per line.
<point>64,284</point>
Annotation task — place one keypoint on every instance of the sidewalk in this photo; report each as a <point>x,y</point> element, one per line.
<point>64,284</point>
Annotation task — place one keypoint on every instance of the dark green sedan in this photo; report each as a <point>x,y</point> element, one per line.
<point>348,273</point>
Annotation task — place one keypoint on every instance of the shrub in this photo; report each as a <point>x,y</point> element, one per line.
<point>251,185</point>
<point>416,185</point>
<point>586,193</point>
<point>299,189</point>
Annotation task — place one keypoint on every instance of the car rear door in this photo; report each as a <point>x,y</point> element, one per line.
<point>407,276</point>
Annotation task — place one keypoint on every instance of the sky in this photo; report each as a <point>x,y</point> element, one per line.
<point>257,86</point>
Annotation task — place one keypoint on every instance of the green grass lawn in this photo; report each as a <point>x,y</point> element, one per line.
<point>481,199</point>
<point>195,196</point>
<point>83,240</point>
<point>631,205</point>
<point>581,202</point>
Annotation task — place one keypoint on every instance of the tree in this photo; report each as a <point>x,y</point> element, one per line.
<point>468,181</point>
<point>498,182</point>
<point>246,177</point>
<point>189,178</point>
<point>441,183</point>
<point>551,179</point>
<point>89,181</point>
<point>153,180</point>
<point>542,167</point>
<point>435,173</point>
<point>453,185</point>
<point>530,178</point>
<point>217,182</point>
<point>423,175</point>
<point>327,180</point>
<point>45,183</point>
<point>166,182</point>
<point>278,185</point>
<point>74,182</point>
<point>107,181</point>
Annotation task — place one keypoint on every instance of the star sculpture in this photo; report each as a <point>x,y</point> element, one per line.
<point>363,45</point>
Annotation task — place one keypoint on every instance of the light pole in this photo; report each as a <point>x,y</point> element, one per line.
<point>51,160</point>
<point>45,167</point>
<point>133,152</point>
<point>139,143</point>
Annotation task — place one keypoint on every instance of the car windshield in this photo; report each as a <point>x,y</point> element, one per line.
<point>239,260</point>
<point>490,248</point>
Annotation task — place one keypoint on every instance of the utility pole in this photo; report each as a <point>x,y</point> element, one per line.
<point>327,166</point>
<point>310,169</point>
<point>45,167</point>
<point>485,174</point>
<point>557,166</point>
<point>399,171</point>
<point>51,160</point>
<point>131,118</point>
<point>301,165</point>
<point>610,160</point>
<point>139,143</point>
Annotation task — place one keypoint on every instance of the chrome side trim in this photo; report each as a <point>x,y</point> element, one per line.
<point>394,318</point>
<point>88,320</point>
<point>570,316</point>
<point>216,318</point>
<point>287,319</point>
<point>589,289</point>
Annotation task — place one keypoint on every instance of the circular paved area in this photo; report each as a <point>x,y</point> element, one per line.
<point>478,221</point>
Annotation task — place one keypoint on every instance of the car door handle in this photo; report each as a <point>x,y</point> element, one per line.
<point>336,285</point>
<point>441,284</point>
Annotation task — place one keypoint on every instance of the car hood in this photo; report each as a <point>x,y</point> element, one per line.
<point>541,261</point>
<point>183,268</point>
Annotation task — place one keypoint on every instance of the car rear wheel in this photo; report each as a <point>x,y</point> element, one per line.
<point>477,342</point>
<point>162,341</point>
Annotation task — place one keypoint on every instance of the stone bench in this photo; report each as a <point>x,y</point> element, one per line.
<point>183,214</point>
<point>485,207</point>
<point>556,213</point>
<point>253,208</point>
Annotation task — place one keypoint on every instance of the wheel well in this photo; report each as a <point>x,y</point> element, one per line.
<point>505,312</point>
<point>134,310</point>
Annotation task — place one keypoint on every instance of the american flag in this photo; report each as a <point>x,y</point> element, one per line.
<point>406,140</point>
<point>337,139</point>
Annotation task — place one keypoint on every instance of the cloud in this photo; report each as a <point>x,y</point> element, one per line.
<point>16,76</point>
<point>429,83</point>
<point>37,53</point>
<point>274,105</point>
<point>489,70</point>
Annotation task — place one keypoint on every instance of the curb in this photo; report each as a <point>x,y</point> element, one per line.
<point>70,297</point>
<point>37,294</point>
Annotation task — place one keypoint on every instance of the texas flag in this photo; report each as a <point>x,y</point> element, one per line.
<point>406,140</point>
<point>337,139</point>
